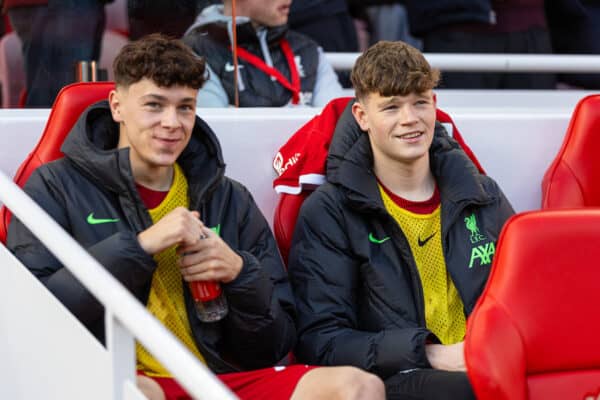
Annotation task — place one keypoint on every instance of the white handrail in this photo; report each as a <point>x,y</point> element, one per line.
<point>190,372</point>
<point>471,62</point>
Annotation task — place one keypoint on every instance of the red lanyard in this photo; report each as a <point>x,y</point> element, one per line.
<point>294,86</point>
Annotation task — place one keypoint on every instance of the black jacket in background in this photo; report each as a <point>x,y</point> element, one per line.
<point>304,10</point>
<point>425,16</point>
<point>359,300</point>
<point>574,27</point>
<point>170,17</point>
<point>96,177</point>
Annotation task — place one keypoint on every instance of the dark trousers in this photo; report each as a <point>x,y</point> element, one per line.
<point>532,41</point>
<point>55,38</point>
<point>429,384</point>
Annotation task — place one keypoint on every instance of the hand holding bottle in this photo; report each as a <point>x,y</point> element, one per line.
<point>209,259</point>
<point>180,227</point>
<point>204,265</point>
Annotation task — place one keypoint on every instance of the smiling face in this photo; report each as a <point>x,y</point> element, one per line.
<point>400,128</point>
<point>268,13</point>
<point>155,122</point>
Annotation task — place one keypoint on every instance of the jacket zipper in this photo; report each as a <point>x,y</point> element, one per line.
<point>414,273</point>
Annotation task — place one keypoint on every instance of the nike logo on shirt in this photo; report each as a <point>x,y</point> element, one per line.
<point>373,239</point>
<point>424,242</point>
<point>230,68</point>
<point>95,221</point>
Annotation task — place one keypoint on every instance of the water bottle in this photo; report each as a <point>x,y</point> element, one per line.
<point>210,301</point>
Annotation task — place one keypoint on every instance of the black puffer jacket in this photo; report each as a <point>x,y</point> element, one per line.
<point>359,296</point>
<point>95,177</point>
<point>305,10</point>
<point>424,16</point>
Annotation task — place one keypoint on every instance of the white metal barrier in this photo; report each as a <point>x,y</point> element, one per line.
<point>46,352</point>
<point>470,62</point>
<point>126,318</point>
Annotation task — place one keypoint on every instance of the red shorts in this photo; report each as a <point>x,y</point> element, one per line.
<point>277,383</point>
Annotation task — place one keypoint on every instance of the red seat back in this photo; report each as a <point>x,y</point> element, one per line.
<point>286,213</point>
<point>572,179</point>
<point>534,331</point>
<point>68,106</point>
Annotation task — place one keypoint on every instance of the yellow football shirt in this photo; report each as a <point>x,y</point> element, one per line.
<point>444,310</point>
<point>166,301</point>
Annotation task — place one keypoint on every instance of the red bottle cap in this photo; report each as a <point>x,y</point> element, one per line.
<point>205,291</point>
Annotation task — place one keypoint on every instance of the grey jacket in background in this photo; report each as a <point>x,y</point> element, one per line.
<point>210,37</point>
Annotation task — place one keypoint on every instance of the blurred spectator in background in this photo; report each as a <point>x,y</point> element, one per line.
<point>483,26</point>
<point>277,66</point>
<point>55,36</point>
<point>170,17</point>
<point>575,29</point>
<point>2,20</point>
<point>386,19</point>
<point>329,23</point>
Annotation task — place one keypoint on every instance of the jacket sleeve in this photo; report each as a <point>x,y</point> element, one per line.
<point>261,328</point>
<point>501,209</point>
<point>120,254</point>
<point>327,86</point>
<point>327,286</point>
<point>212,93</point>
<point>504,208</point>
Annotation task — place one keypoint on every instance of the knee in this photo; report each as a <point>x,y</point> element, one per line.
<point>339,383</point>
<point>150,388</point>
<point>354,384</point>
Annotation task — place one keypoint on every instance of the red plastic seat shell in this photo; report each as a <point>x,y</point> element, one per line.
<point>71,101</point>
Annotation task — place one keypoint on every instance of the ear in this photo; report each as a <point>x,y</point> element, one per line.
<point>115,103</point>
<point>360,115</point>
<point>434,100</point>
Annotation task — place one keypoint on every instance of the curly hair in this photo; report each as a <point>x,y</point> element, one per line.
<point>392,69</point>
<point>166,61</point>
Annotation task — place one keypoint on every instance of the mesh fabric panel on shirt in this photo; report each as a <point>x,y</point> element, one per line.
<point>166,301</point>
<point>444,310</point>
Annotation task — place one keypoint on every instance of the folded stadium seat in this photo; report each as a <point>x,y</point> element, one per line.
<point>12,72</point>
<point>300,165</point>
<point>573,178</point>
<point>69,104</point>
<point>534,331</point>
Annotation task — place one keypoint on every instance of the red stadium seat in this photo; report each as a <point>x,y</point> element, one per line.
<point>69,104</point>
<point>286,213</point>
<point>534,331</point>
<point>572,180</point>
